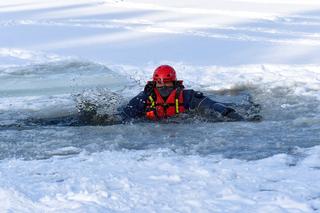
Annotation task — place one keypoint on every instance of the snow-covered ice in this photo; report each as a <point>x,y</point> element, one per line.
<point>52,50</point>
<point>161,181</point>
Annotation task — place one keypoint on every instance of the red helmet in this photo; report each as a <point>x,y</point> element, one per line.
<point>164,73</point>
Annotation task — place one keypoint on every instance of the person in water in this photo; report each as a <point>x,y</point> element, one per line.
<point>162,99</point>
<point>165,97</point>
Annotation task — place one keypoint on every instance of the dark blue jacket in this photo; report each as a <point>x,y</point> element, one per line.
<point>194,102</point>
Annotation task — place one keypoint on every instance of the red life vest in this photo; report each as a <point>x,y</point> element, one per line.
<point>159,109</point>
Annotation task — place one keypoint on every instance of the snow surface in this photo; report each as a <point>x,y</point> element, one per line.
<point>50,50</point>
<point>161,181</point>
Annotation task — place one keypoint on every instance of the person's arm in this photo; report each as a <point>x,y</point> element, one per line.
<point>135,108</point>
<point>211,109</point>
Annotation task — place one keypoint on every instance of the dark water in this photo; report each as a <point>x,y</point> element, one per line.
<point>242,140</point>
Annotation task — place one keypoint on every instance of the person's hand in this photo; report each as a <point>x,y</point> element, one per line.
<point>233,115</point>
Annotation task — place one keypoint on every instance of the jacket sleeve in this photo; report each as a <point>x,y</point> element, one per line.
<point>135,108</point>
<point>209,108</point>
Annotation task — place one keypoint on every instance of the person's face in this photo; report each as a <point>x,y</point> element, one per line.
<point>166,84</point>
<point>165,88</point>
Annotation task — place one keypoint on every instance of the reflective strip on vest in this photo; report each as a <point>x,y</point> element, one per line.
<point>152,102</point>
<point>177,106</point>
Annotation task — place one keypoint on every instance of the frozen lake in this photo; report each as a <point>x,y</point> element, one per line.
<point>53,50</point>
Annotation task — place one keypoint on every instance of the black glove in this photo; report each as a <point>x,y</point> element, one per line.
<point>232,114</point>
